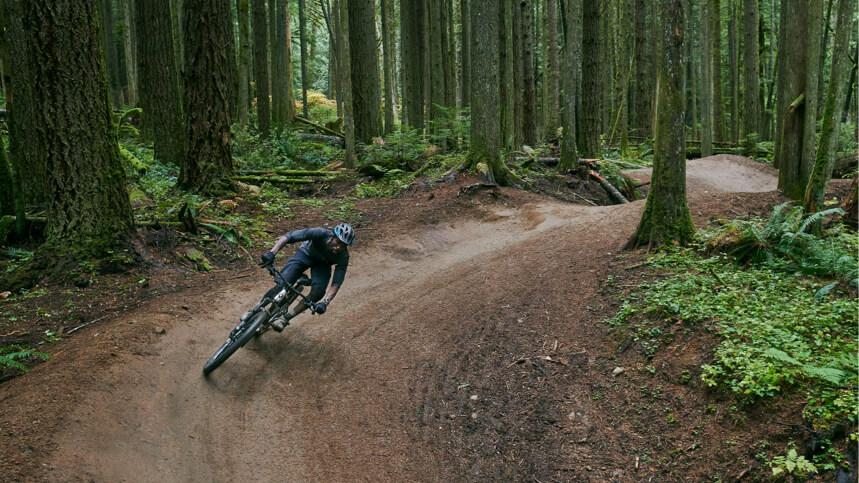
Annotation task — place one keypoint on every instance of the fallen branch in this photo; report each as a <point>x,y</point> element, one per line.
<point>275,179</point>
<point>294,173</point>
<point>318,126</point>
<point>610,189</point>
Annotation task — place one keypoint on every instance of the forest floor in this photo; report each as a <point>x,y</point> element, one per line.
<point>468,343</point>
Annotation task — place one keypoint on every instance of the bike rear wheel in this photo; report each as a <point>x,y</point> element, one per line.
<point>233,343</point>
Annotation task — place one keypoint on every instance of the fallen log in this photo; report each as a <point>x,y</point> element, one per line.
<point>608,187</point>
<point>274,179</point>
<point>292,173</point>
<point>323,138</point>
<point>318,126</point>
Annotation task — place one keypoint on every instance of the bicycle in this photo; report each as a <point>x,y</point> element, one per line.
<point>258,320</point>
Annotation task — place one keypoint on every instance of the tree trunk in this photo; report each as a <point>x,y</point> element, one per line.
<point>261,78</point>
<point>506,72</point>
<point>620,121</point>
<point>130,52</point>
<point>822,170</point>
<point>284,33</point>
<point>551,73</point>
<point>571,15</point>
<point>366,93</point>
<point>243,14</point>
<point>734,73</point>
<point>465,45</point>
<point>275,10</point>
<point>590,142</point>
<point>518,74</point>
<point>163,119</point>
<point>529,91</point>
<point>345,68</point>
<point>780,104</point>
<point>485,144</point>
<point>62,126</point>
<point>851,204</point>
<point>666,218</point>
<point>706,80</point>
<point>387,9</point>
<point>450,57</point>
<point>208,162</point>
<point>437,53</point>
<point>715,19</point>
<point>110,52</point>
<point>7,185</point>
<point>643,92</point>
<point>751,77</point>
<point>812,86</point>
<point>302,36</point>
<point>412,27</point>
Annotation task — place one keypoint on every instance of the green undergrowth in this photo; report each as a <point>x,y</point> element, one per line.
<point>18,358</point>
<point>785,318</point>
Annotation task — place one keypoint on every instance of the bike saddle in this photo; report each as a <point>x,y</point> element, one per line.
<point>303,280</point>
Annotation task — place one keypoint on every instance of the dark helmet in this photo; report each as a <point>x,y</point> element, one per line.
<point>344,233</point>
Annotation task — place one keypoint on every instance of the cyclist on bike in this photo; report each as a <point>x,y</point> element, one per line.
<point>321,248</point>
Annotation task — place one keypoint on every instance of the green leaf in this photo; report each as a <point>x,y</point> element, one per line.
<point>781,356</point>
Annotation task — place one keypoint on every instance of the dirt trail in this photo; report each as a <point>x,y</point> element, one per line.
<point>354,395</point>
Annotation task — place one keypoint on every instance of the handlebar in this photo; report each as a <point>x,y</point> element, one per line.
<point>280,281</point>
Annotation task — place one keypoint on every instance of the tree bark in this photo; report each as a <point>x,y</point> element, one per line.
<point>163,119</point>
<point>208,161</point>
<point>130,52</point>
<point>110,52</point>
<point>529,80</point>
<point>302,35</point>
<point>666,218</point>
<point>243,14</point>
<point>465,46</point>
<point>345,68</point>
<point>387,10</point>
<point>571,15</point>
<point>412,26</point>
<point>485,126</point>
<point>734,73</point>
<point>366,93</point>
<point>590,142</point>
<point>644,74</point>
<point>518,86</point>
<point>261,67</point>
<point>437,77</point>
<point>812,86</point>
<point>551,73</point>
<point>825,157</point>
<point>506,72</point>
<point>751,77</point>
<point>706,80</point>
<point>715,19</point>
<point>62,126</point>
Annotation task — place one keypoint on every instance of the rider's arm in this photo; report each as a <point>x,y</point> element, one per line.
<point>300,235</point>
<point>337,280</point>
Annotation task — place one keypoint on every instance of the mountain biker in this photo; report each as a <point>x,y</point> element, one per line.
<point>320,249</point>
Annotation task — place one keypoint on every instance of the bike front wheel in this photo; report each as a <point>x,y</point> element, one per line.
<point>234,342</point>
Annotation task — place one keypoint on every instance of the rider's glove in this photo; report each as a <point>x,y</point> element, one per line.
<point>267,259</point>
<point>320,307</point>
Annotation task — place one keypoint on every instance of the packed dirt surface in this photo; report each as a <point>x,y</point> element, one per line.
<point>465,348</point>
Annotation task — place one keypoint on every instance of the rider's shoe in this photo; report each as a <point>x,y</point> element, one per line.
<point>280,322</point>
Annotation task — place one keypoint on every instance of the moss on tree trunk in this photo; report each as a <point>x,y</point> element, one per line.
<point>666,218</point>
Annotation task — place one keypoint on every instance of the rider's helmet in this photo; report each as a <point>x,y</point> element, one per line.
<point>344,233</point>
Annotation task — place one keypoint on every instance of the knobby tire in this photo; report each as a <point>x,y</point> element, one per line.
<point>233,344</point>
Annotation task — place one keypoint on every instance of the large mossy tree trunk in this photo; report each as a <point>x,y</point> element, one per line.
<point>366,86</point>
<point>793,77</point>
<point>208,163</point>
<point>822,170</point>
<point>591,92</point>
<point>63,125</point>
<point>163,119</point>
<point>261,66</point>
<point>485,146</point>
<point>666,218</point>
<point>571,15</point>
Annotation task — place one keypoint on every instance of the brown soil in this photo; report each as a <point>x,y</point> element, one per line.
<point>467,344</point>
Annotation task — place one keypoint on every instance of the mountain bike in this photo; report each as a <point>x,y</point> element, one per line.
<point>258,320</point>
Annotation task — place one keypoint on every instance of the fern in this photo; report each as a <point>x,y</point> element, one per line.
<point>814,218</point>
<point>14,357</point>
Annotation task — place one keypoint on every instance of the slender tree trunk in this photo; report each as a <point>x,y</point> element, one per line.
<point>260,32</point>
<point>466,52</point>
<point>285,34</point>
<point>62,128</point>
<point>302,35</point>
<point>529,78</point>
<point>706,80</point>
<point>643,93</point>
<point>366,94</point>
<point>507,74</point>
<point>485,146</point>
<point>824,50</point>
<point>163,119</point>
<point>734,73</point>
<point>666,218</point>
<point>437,77</point>
<point>692,75</point>
<point>518,75</point>
<point>715,19</point>
<point>208,160</point>
<point>276,64</point>
<point>111,55</point>
<point>571,15</point>
<point>822,169</point>
<point>620,123</point>
<point>812,85</point>
<point>590,142</point>
<point>388,63</point>
<point>851,82</point>
<point>412,27</point>
<point>346,84</point>
<point>551,73</point>
<point>243,14</point>
<point>751,77</point>
<point>780,105</point>
<point>130,49</point>
<point>450,57</point>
